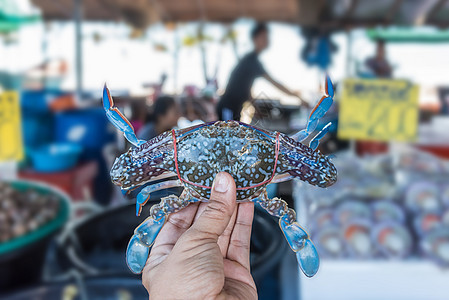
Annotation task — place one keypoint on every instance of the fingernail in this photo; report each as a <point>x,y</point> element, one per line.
<point>221,184</point>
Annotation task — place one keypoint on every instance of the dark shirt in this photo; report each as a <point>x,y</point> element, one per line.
<point>240,82</point>
<point>380,68</point>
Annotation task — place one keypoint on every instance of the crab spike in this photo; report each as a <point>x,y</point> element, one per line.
<point>316,140</point>
<point>118,119</point>
<point>329,87</point>
<point>317,112</point>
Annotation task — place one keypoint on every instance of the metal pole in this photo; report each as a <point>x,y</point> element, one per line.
<point>349,73</point>
<point>77,18</point>
<point>349,53</point>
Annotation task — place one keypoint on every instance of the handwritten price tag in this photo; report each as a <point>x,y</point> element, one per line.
<point>11,147</point>
<point>378,109</point>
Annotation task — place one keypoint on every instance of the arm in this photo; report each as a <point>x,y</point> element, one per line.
<point>284,89</point>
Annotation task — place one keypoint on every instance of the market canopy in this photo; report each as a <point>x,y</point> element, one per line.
<point>14,13</point>
<point>409,35</point>
<point>338,14</point>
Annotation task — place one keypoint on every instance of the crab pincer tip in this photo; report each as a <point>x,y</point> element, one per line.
<point>107,101</point>
<point>138,209</point>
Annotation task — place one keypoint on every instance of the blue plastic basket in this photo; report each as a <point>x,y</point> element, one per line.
<point>38,101</point>
<point>37,128</point>
<point>55,157</point>
<point>88,128</point>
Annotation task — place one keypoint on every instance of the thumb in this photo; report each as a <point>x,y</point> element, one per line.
<point>215,218</point>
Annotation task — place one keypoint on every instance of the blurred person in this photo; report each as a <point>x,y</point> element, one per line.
<point>193,112</point>
<point>211,114</point>
<point>164,117</point>
<point>379,65</point>
<point>238,89</point>
<point>202,252</point>
<point>139,114</point>
<point>194,109</point>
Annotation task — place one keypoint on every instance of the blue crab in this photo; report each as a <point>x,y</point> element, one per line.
<point>253,156</point>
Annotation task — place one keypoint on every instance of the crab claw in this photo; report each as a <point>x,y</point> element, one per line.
<point>316,140</point>
<point>317,112</point>
<point>144,194</point>
<point>118,119</point>
<point>299,242</point>
<point>321,108</point>
<point>136,255</point>
<point>140,243</point>
<point>308,259</point>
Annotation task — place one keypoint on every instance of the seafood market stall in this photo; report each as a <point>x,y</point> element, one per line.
<point>384,224</point>
<point>382,231</point>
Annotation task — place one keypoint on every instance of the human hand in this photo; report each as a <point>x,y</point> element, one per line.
<point>202,252</point>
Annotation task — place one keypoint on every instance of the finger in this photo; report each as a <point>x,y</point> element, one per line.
<point>201,207</point>
<point>215,218</point>
<point>176,225</point>
<point>239,243</point>
<point>223,239</point>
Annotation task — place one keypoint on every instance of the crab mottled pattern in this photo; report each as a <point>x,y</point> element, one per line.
<point>254,157</point>
<point>245,152</point>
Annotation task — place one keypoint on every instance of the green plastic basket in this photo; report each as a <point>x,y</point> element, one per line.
<point>48,228</point>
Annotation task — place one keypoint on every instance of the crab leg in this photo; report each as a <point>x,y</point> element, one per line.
<point>297,238</point>
<point>118,119</point>
<point>144,195</point>
<point>317,112</point>
<point>145,234</point>
<point>316,140</point>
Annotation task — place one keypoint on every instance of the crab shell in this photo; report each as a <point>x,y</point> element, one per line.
<point>254,157</point>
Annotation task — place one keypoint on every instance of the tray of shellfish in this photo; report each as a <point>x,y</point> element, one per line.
<point>382,230</point>
<point>391,207</point>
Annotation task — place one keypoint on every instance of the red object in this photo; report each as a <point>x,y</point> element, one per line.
<point>440,151</point>
<point>370,147</point>
<point>74,181</point>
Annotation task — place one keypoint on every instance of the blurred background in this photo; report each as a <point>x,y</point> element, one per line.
<point>382,230</point>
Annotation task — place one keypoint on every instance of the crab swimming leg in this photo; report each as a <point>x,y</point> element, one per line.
<point>297,238</point>
<point>118,119</point>
<point>317,112</point>
<point>145,234</point>
<point>144,194</point>
<point>316,140</point>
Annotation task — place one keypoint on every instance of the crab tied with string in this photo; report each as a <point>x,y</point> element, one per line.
<point>253,156</point>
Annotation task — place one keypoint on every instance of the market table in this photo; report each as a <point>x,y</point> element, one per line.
<point>376,280</point>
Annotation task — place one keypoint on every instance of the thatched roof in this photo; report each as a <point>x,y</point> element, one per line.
<point>338,14</point>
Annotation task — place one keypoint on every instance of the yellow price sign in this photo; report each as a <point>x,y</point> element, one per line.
<point>11,147</point>
<point>378,109</point>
